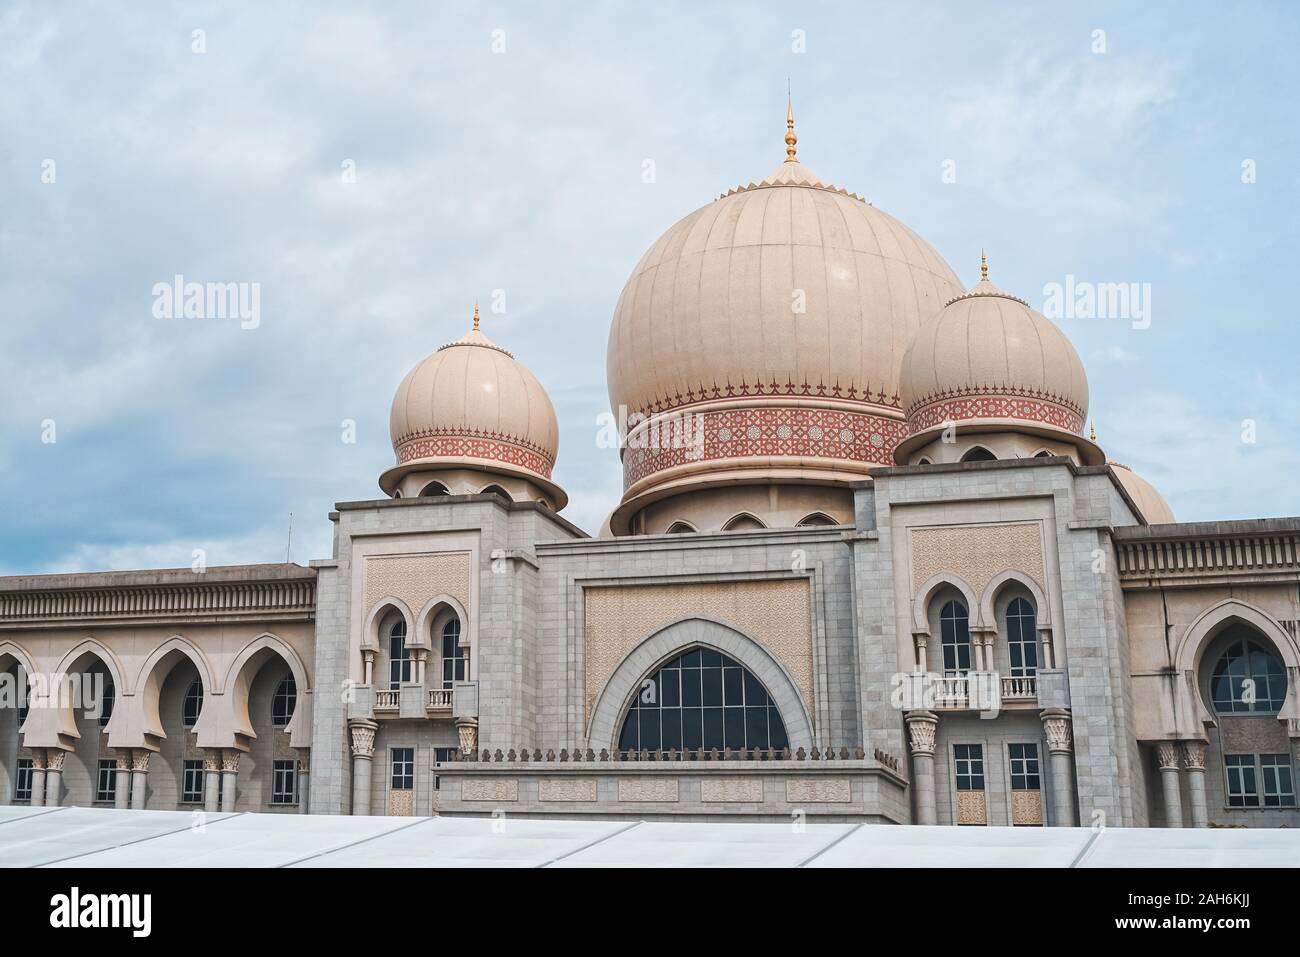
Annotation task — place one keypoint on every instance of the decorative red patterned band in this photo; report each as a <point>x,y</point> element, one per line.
<point>466,446</point>
<point>743,433</point>
<point>996,407</point>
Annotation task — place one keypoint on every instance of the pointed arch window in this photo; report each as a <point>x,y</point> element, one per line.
<point>399,656</point>
<point>1248,679</point>
<point>283,702</point>
<point>192,706</point>
<point>954,635</point>
<point>702,699</point>
<point>1022,638</point>
<point>453,655</point>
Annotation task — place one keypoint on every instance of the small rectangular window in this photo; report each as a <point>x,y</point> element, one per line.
<point>192,782</point>
<point>1024,767</point>
<point>1242,788</point>
<point>284,782</point>
<point>969,759</point>
<point>1279,782</point>
<point>106,781</point>
<point>23,780</point>
<point>403,769</point>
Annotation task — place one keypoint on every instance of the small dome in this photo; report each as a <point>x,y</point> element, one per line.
<point>472,405</point>
<point>1155,510</point>
<point>989,362</point>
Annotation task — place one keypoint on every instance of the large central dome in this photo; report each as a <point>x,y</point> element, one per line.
<point>781,312</point>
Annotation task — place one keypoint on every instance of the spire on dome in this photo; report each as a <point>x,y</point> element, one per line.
<point>790,138</point>
<point>1092,431</point>
<point>984,267</point>
<point>476,317</point>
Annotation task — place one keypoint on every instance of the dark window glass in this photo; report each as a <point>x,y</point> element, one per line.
<point>192,782</point>
<point>283,702</point>
<point>954,633</point>
<point>1024,767</point>
<point>702,699</point>
<point>403,769</point>
<point>106,781</point>
<point>1278,778</point>
<point>453,655</point>
<point>1240,771</point>
<point>979,454</point>
<point>1022,638</point>
<point>399,656</point>
<point>107,701</point>
<point>1248,678</point>
<point>284,782</point>
<point>193,704</point>
<point>23,780</point>
<point>969,761</point>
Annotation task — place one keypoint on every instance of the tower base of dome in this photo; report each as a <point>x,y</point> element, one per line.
<point>738,504</point>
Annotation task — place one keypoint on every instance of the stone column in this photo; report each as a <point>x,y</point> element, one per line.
<point>363,753</point>
<point>921,728</point>
<point>1047,652</point>
<point>139,777</point>
<point>1168,754</point>
<point>53,775</point>
<point>1060,745</point>
<point>922,661</point>
<point>304,778</point>
<point>1194,765</point>
<point>212,780</point>
<point>38,777</point>
<point>229,779</point>
<point>368,666</point>
<point>467,729</point>
<point>122,785</point>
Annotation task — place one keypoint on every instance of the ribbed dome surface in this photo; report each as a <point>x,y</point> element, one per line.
<point>472,389</point>
<point>715,301</point>
<point>989,343</point>
<point>1150,502</point>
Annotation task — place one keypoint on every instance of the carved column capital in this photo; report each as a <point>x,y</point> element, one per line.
<point>363,738</point>
<point>38,759</point>
<point>304,760</point>
<point>1194,755</point>
<point>1168,753</point>
<point>212,759</point>
<point>467,729</point>
<point>54,759</point>
<point>1059,730</point>
<point>123,756</point>
<point>921,729</point>
<point>140,760</point>
<point>230,761</point>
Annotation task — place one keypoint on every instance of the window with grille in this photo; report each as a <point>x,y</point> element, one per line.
<point>969,761</point>
<point>403,760</point>
<point>192,782</point>
<point>1024,767</point>
<point>284,782</point>
<point>106,781</point>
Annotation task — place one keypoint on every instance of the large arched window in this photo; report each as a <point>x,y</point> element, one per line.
<point>432,489</point>
<point>702,699</point>
<point>954,635</point>
<point>453,655</point>
<point>1022,638</point>
<point>979,454</point>
<point>816,519</point>
<point>743,522</point>
<point>283,702</point>
<point>1248,679</point>
<point>399,656</point>
<point>192,706</point>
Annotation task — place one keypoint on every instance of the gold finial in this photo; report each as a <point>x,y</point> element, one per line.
<point>790,138</point>
<point>476,317</point>
<point>1092,431</point>
<point>984,267</point>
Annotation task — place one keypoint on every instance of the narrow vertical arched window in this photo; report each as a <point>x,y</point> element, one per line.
<point>107,701</point>
<point>193,704</point>
<point>954,633</point>
<point>453,655</point>
<point>1022,638</point>
<point>399,656</point>
<point>283,702</point>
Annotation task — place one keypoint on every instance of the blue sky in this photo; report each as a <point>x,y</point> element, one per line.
<point>521,171</point>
